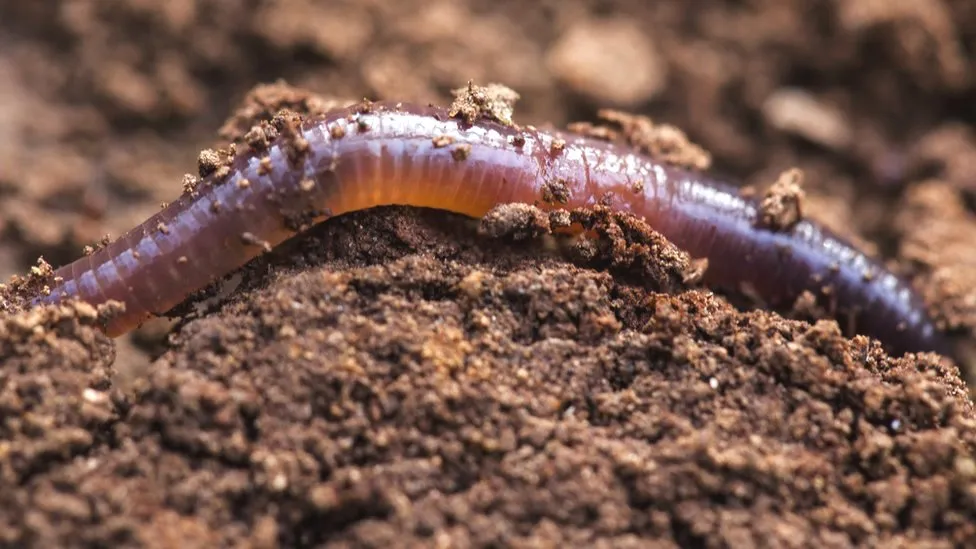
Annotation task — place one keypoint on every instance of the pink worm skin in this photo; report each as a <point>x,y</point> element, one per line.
<point>387,154</point>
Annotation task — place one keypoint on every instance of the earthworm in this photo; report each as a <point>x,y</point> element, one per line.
<point>392,154</point>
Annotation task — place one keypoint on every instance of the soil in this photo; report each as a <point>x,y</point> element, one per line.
<point>406,377</point>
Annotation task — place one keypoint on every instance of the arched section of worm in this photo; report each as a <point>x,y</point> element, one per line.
<point>358,158</point>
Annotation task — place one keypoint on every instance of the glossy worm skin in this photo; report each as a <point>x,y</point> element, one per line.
<point>387,154</point>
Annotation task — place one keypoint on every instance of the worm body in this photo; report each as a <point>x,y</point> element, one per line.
<point>353,159</point>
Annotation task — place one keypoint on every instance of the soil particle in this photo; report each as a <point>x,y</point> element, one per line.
<point>263,103</point>
<point>661,141</point>
<point>555,191</point>
<point>613,61</point>
<point>492,102</point>
<point>782,205</point>
<point>208,162</point>
<point>633,250</point>
<point>797,112</point>
<point>515,221</point>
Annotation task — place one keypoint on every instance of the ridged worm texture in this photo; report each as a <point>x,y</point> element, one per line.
<point>385,154</point>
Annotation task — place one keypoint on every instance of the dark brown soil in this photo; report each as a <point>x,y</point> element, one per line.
<point>411,378</point>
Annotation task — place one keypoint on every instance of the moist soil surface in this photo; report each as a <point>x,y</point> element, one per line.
<point>405,377</point>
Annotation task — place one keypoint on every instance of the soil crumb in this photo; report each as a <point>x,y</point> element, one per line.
<point>615,61</point>
<point>661,141</point>
<point>492,102</point>
<point>782,205</point>
<point>515,221</point>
